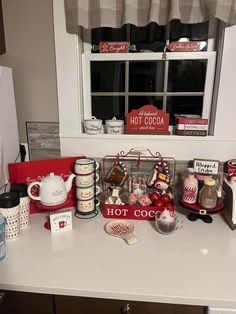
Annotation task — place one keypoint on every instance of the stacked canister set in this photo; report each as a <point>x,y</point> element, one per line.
<point>86,187</point>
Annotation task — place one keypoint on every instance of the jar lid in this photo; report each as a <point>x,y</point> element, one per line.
<point>210,182</point>
<point>9,199</point>
<point>20,188</point>
<point>114,120</point>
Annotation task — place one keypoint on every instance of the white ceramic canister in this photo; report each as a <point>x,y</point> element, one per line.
<point>87,206</point>
<point>87,193</point>
<point>93,126</point>
<point>85,166</point>
<point>21,190</point>
<point>84,181</point>
<point>10,209</point>
<point>114,126</point>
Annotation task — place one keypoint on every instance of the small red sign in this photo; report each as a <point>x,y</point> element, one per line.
<point>147,119</point>
<point>184,46</point>
<point>114,46</point>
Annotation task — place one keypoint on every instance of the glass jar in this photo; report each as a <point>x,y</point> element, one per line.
<point>190,188</point>
<point>208,195</point>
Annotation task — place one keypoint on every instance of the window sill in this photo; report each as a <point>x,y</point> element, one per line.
<point>179,147</point>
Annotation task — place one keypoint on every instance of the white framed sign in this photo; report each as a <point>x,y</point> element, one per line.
<point>206,166</point>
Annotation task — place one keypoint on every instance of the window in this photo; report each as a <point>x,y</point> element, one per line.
<point>71,72</point>
<point>117,83</point>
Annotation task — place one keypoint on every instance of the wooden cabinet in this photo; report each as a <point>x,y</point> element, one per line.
<point>13,302</point>
<point>75,305</point>
<point>2,36</point>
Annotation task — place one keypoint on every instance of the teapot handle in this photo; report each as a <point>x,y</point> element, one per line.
<point>36,198</point>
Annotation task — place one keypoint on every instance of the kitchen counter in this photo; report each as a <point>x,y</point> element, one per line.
<point>195,265</point>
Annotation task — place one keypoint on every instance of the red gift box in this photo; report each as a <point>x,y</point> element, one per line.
<point>30,171</point>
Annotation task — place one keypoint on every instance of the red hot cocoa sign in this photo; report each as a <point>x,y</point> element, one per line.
<point>147,119</point>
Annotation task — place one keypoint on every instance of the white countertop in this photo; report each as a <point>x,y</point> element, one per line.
<point>195,265</point>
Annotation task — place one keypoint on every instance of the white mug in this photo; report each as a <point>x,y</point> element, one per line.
<point>87,193</point>
<point>85,181</point>
<point>114,126</point>
<point>93,126</point>
<point>88,205</point>
<point>85,166</point>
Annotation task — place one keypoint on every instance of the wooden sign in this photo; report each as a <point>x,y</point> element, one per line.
<point>114,46</point>
<point>184,46</point>
<point>147,120</point>
<point>206,166</point>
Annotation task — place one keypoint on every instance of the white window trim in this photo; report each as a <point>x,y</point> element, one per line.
<point>73,142</point>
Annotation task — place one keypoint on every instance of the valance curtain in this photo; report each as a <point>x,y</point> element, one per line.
<point>90,14</point>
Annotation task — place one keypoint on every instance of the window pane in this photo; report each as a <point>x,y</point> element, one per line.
<point>190,32</point>
<point>105,107</point>
<point>146,76</point>
<point>187,75</point>
<point>136,102</point>
<point>184,105</point>
<point>150,37</point>
<point>107,76</point>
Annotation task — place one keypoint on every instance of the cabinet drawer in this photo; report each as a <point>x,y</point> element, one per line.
<point>14,302</point>
<point>79,305</point>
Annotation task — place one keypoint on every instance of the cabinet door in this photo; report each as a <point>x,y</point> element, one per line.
<point>78,305</point>
<point>14,302</point>
<point>2,37</point>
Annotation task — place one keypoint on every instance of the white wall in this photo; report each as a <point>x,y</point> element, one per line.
<point>30,53</point>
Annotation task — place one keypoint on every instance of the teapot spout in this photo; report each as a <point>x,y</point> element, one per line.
<point>68,182</point>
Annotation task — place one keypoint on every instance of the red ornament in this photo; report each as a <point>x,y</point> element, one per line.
<point>165,198</point>
<point>159,203</point>
<point>154,196</point>
<point>170,207</point>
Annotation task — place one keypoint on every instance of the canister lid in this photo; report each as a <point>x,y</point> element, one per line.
<point>20,189</point>
<point>9,199</point>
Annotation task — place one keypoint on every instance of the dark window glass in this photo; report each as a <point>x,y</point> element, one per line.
<point>187,75</point>
<point>105,107</point>
<point>107,76</point>
<point>184,105</point>
<point>146,76</point>
<point>109,34</point>
<point>150,37</point>
<point>136,102</point>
